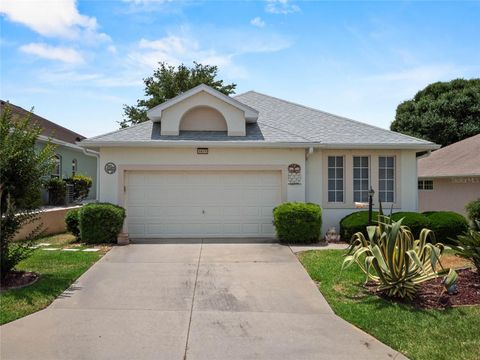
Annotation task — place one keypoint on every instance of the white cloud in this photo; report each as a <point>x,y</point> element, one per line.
<point>44,51</point>
<point>53,18</point>
<point>258,22</point>
<point>184,48</point>
<point>281,7</point>
<point>112,49</point>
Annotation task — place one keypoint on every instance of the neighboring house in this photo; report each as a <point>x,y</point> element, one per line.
<point>449,178</point>
<point>209,165</point>
<point>70,158</point>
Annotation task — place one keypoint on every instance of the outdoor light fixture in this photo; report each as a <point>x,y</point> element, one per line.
<point>370,204</point>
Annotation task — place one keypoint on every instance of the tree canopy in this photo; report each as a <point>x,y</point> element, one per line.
<point>169,81</point>
<point>443,112</point>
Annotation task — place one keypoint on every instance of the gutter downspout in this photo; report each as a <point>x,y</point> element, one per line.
<point>95,154</point>
<point>308,152</point>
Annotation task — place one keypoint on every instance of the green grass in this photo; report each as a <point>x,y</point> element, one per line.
<point>419,334</point>
<point>57,271</point>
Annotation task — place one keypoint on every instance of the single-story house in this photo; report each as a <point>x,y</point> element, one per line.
<point>70,158</point>
<point>210,165</point>
<point>449,178</point>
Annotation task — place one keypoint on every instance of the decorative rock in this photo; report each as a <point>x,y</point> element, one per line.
<point>90,250</point>
<point>50,249</point>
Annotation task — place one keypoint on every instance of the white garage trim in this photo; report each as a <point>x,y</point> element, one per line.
<point>125,170</point>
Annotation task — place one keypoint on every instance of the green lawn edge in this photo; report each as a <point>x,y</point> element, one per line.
<point>419,334</point>
<point>57,269</point>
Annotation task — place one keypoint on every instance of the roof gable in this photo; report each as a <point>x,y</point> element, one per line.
<point>155,113</point>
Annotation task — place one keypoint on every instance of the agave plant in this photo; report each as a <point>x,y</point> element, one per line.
<point>397,262</point>
<point>468,246</point>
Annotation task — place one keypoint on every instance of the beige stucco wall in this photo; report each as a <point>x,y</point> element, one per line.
<point>449,194</point>
<point>52,221</point>
<point>172,116</point>
<point>312,188</point>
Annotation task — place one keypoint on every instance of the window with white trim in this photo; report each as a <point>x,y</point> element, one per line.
<point>57,169</point>
<point>361,180</point>
<point>425,184</point>
<point>335,179</point>
<point>386,179</point>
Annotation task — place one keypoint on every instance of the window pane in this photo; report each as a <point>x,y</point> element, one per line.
<point>356,173</point>
<point>339,185</point>
<point>389,173</point>
<point>356,185</point>
<point>390,161</point>
<point>420,185</point>
<point>364,161</point>
<point>331,196</point>
<point>389,196</point>
<point>331,184</point>
<point>381,184</point>
<point>390,185</point>
<point>331,173</point>
<point>340,173</point>
<point>365,185</point>
<point>339,161</point>
<point>339,196</point>
<point>381,161</point>
<point>356,161</point>
<point>331,161</point>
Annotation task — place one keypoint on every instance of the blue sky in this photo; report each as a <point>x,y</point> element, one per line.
<point>78,62</point>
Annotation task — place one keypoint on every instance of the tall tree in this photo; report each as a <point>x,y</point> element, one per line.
<point>443,112</point>
<point>22,170</point>
<point>167,82</point>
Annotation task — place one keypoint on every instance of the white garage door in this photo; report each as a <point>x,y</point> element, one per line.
<point>201,203</point>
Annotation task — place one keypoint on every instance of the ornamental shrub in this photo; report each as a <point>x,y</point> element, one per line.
<point>356,222</point>
<point>297,222</point>
<point>71,221</point>
<point>57,191</point>
<point>81,186</point>
<point>446,225</point>
<point>415,221</point>
<point>100,222</point>
<point>473,212</point>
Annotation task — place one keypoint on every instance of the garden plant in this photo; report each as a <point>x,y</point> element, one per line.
<point>392,258</point>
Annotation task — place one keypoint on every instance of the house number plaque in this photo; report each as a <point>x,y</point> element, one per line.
<point>110,168</point>
<point>294,174</point>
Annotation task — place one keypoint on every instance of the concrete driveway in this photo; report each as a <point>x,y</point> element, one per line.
<point>194,300</point>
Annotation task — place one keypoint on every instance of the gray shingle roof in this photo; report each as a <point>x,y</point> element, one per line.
<point>279,122</point>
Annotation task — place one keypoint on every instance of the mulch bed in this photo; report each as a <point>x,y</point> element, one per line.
<point>432,294</point>
<point>18,279</point>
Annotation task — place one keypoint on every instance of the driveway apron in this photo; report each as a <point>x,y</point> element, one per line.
<point>193,299</point>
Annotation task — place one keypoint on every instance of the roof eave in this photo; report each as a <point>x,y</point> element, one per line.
<point>246,143</point>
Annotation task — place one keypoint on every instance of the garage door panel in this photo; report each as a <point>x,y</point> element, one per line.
<point>200,203</point>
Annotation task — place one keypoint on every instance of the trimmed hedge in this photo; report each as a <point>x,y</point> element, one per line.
<point>415,221</point>
<point>446,225</point>
<point>297,222</point>
<point>358,222</point>
<point>71,221</point>
<point>355,222</point>
<point>100,222</point>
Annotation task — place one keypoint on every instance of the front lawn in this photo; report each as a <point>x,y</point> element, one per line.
<point>58,269</point>
<point>419,334</point>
